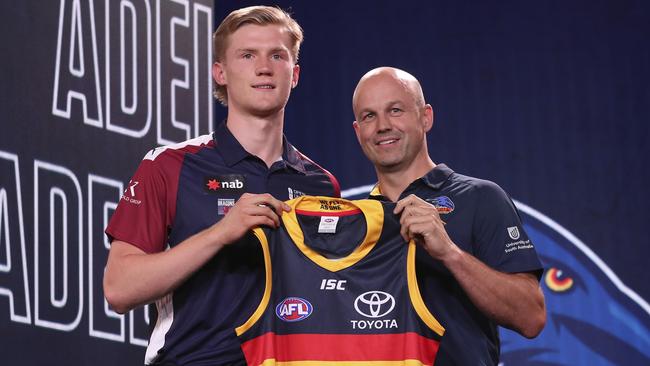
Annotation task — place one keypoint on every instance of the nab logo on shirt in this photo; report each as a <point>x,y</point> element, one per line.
<point>293,309</point>
<point>230,183</point>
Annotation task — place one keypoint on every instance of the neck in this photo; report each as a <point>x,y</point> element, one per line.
<point>260,136</point>
<point>392,182</point>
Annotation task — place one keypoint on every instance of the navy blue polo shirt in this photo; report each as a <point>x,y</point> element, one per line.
<point>482,220</point>
<point>181,189</point>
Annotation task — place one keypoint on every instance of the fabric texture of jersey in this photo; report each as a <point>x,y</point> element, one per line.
<point>182,189</point>
<point>480,219</point>
<point>362,308</point>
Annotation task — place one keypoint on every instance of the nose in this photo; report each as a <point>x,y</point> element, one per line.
<point>383,123</point>
<point>263,67</point>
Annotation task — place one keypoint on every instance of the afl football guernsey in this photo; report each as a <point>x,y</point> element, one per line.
<point>340,290</point>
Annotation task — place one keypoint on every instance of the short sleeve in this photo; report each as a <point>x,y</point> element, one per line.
<point>146,208</point>
<point>500,239</point>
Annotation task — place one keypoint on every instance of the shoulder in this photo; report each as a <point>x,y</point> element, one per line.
<point>477,186</point>
<point>169,158</point>
<point>311,168</point>
<point>191,146</point>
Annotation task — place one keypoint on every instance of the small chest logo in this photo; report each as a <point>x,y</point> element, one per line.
<point>513,232</point>
<point>129,193</point>
<point>294,193</point>
<point>228,183</point>
<point>374,304</point>
<point>224,205</point>
<point>443,204</point>
<point>293,309</point>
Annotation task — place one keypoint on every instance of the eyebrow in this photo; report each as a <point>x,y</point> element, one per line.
<point>256,50</point>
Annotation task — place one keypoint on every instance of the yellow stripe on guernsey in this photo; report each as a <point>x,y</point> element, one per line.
<point>273,362</point>
<point>375,191</point>
<point>416,296</point>
<point>267,284</point>
<point>372,211</point>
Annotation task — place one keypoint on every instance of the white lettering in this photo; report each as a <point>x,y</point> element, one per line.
<point>14,282</point>
<point>61,189</point>
<point>183,97</point>
<point>173,71</point>
<point>102,196</point>
<point>333,284</point>
<point>133,114</point>
<point>374,324</point>
<point>57,246</point>
<point>77,45</point>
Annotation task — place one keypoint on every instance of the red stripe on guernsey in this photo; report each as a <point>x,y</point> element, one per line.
<point>340,347</point>
<point>335,182</point>
<point>328,213</point>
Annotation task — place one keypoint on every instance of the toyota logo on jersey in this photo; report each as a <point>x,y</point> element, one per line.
<point>293,309</point>
<point>374,304</point>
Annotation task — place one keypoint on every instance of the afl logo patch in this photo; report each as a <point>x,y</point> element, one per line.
<point>443,204</point>
<point>293,309</point>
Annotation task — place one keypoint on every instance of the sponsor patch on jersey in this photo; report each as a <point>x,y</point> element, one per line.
<point>519,244</point>
<point>130,193</point>
<point>443,204</point>
<point>224,205</point>
<point>221,183</point>
<point>374,304</point>
<point>293,309</point>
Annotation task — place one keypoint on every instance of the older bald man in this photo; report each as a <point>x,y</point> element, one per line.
<point>473,250</point>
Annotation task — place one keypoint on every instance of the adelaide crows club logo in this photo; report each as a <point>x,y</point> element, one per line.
<point>443,204</point>
<point>293,309</point>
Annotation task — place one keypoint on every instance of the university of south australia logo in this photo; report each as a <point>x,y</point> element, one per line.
<point>513,232</point>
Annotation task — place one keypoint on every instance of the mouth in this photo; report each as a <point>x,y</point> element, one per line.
<point>386,141</point>
<point>264,86</point>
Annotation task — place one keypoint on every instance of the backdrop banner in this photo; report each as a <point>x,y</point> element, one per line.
<point>550,100</point>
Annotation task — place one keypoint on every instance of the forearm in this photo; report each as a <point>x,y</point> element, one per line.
<point>514,301</point>
<point>134,278</point>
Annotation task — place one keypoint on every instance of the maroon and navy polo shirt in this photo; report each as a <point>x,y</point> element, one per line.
<point>181,189</point>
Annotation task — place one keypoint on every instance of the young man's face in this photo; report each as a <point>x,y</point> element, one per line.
<point>390,126</point>
<point>258,69</point>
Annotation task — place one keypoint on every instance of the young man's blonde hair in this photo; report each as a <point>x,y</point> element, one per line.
<point>257,15</point>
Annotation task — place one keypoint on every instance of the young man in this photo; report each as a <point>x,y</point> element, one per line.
<point>179,235</point>
<point>473,249</point>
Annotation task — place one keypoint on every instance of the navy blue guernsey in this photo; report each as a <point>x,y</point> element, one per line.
<point>480,219</point>
<point>357,304</point>
<point>182,189</point>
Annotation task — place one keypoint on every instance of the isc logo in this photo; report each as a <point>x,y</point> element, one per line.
<point>332,284</point>
<point>293,309</point>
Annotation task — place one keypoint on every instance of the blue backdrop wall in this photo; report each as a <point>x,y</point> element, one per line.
<point>549,99</point>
